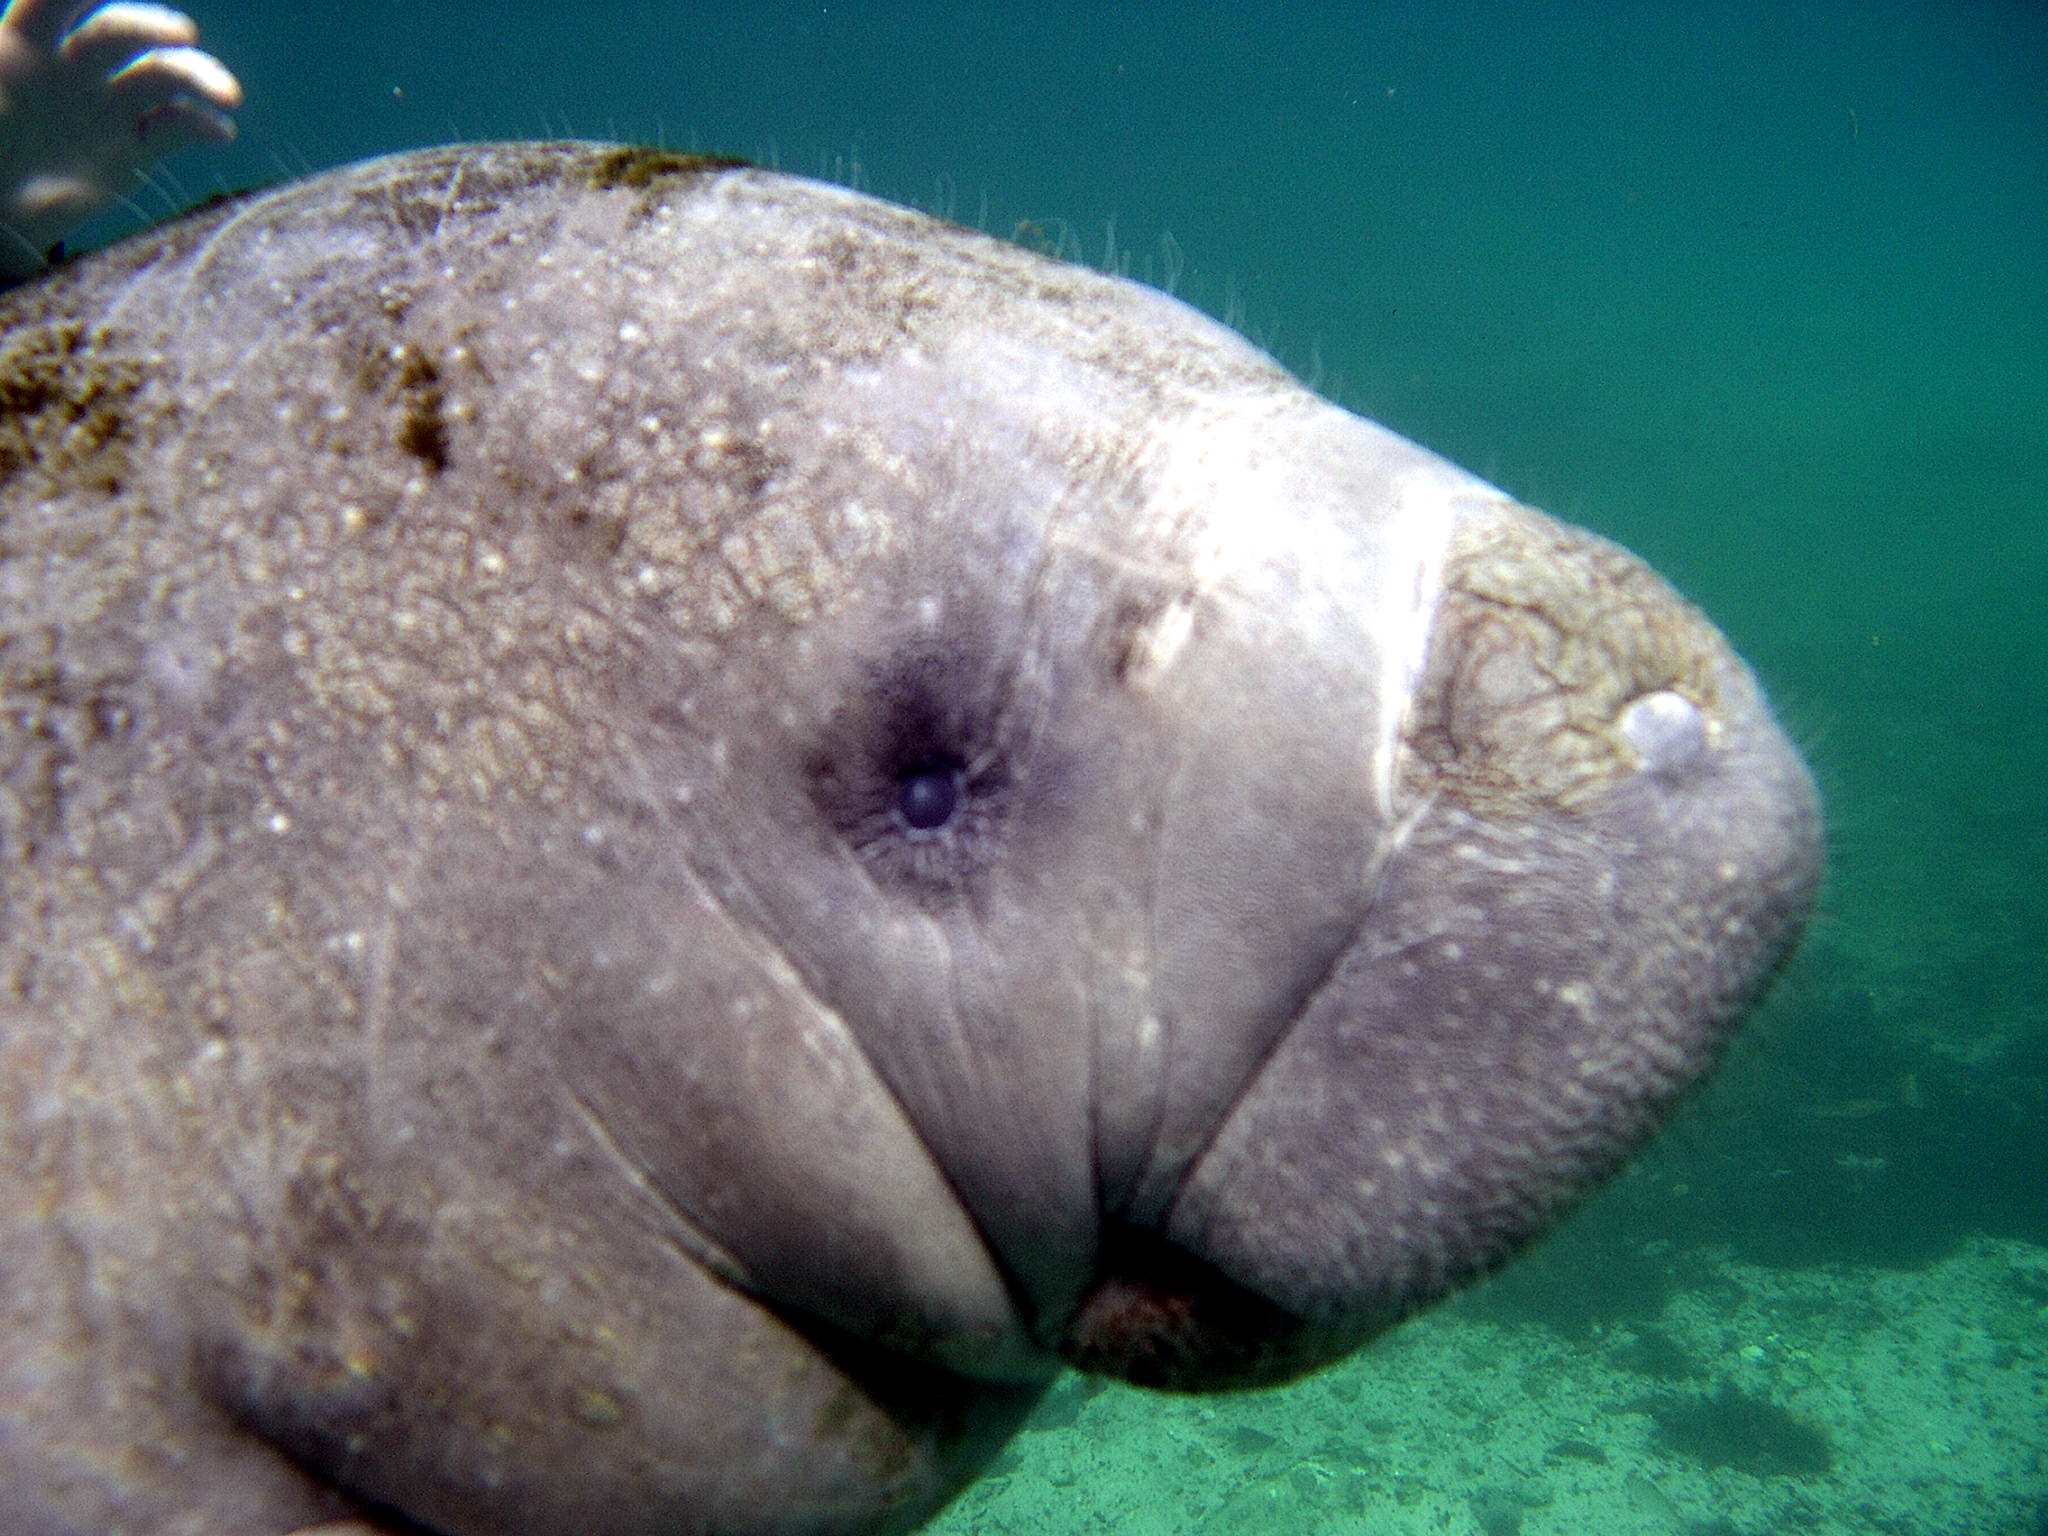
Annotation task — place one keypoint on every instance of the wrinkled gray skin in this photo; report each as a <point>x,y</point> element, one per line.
<point>485,1039</point>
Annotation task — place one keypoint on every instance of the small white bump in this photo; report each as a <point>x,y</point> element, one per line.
<point>1667,731</point>
<point>1578,997</point>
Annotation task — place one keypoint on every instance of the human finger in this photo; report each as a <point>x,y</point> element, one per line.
<point>115,34</point>
<point>42,24</point>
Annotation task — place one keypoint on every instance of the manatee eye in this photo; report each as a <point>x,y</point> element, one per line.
<point>928,796</point>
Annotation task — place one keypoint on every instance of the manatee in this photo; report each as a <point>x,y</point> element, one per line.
<point>669,832</point>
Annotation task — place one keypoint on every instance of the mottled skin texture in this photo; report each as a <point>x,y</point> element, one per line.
<point>481,1042</point>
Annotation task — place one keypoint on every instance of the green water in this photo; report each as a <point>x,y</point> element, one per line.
<point>1762,292</point>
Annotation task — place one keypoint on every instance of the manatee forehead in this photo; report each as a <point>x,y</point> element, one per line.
<point>479,418</point>
<point>575,330</point>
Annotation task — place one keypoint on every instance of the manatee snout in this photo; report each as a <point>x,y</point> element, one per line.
<point>668,832</point>
<point>1605,848</point>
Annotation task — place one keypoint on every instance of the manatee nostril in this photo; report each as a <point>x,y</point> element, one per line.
<point>928,796</point>
<point>1667,731</point>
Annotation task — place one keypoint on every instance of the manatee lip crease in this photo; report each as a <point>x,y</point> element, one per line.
<point>724,845</point>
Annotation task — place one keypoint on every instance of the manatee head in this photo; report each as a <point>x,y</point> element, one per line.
<point>667,831</point>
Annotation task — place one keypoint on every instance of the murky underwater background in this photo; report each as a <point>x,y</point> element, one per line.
<point>1761,291</point>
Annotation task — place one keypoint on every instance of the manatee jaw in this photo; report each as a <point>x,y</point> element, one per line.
<point>1606,850</point>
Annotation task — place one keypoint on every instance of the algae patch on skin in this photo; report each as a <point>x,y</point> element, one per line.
<point>1728,1428</point>
<point>61,405</point>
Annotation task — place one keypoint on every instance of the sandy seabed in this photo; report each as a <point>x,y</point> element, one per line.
<point>1829,1402</point>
